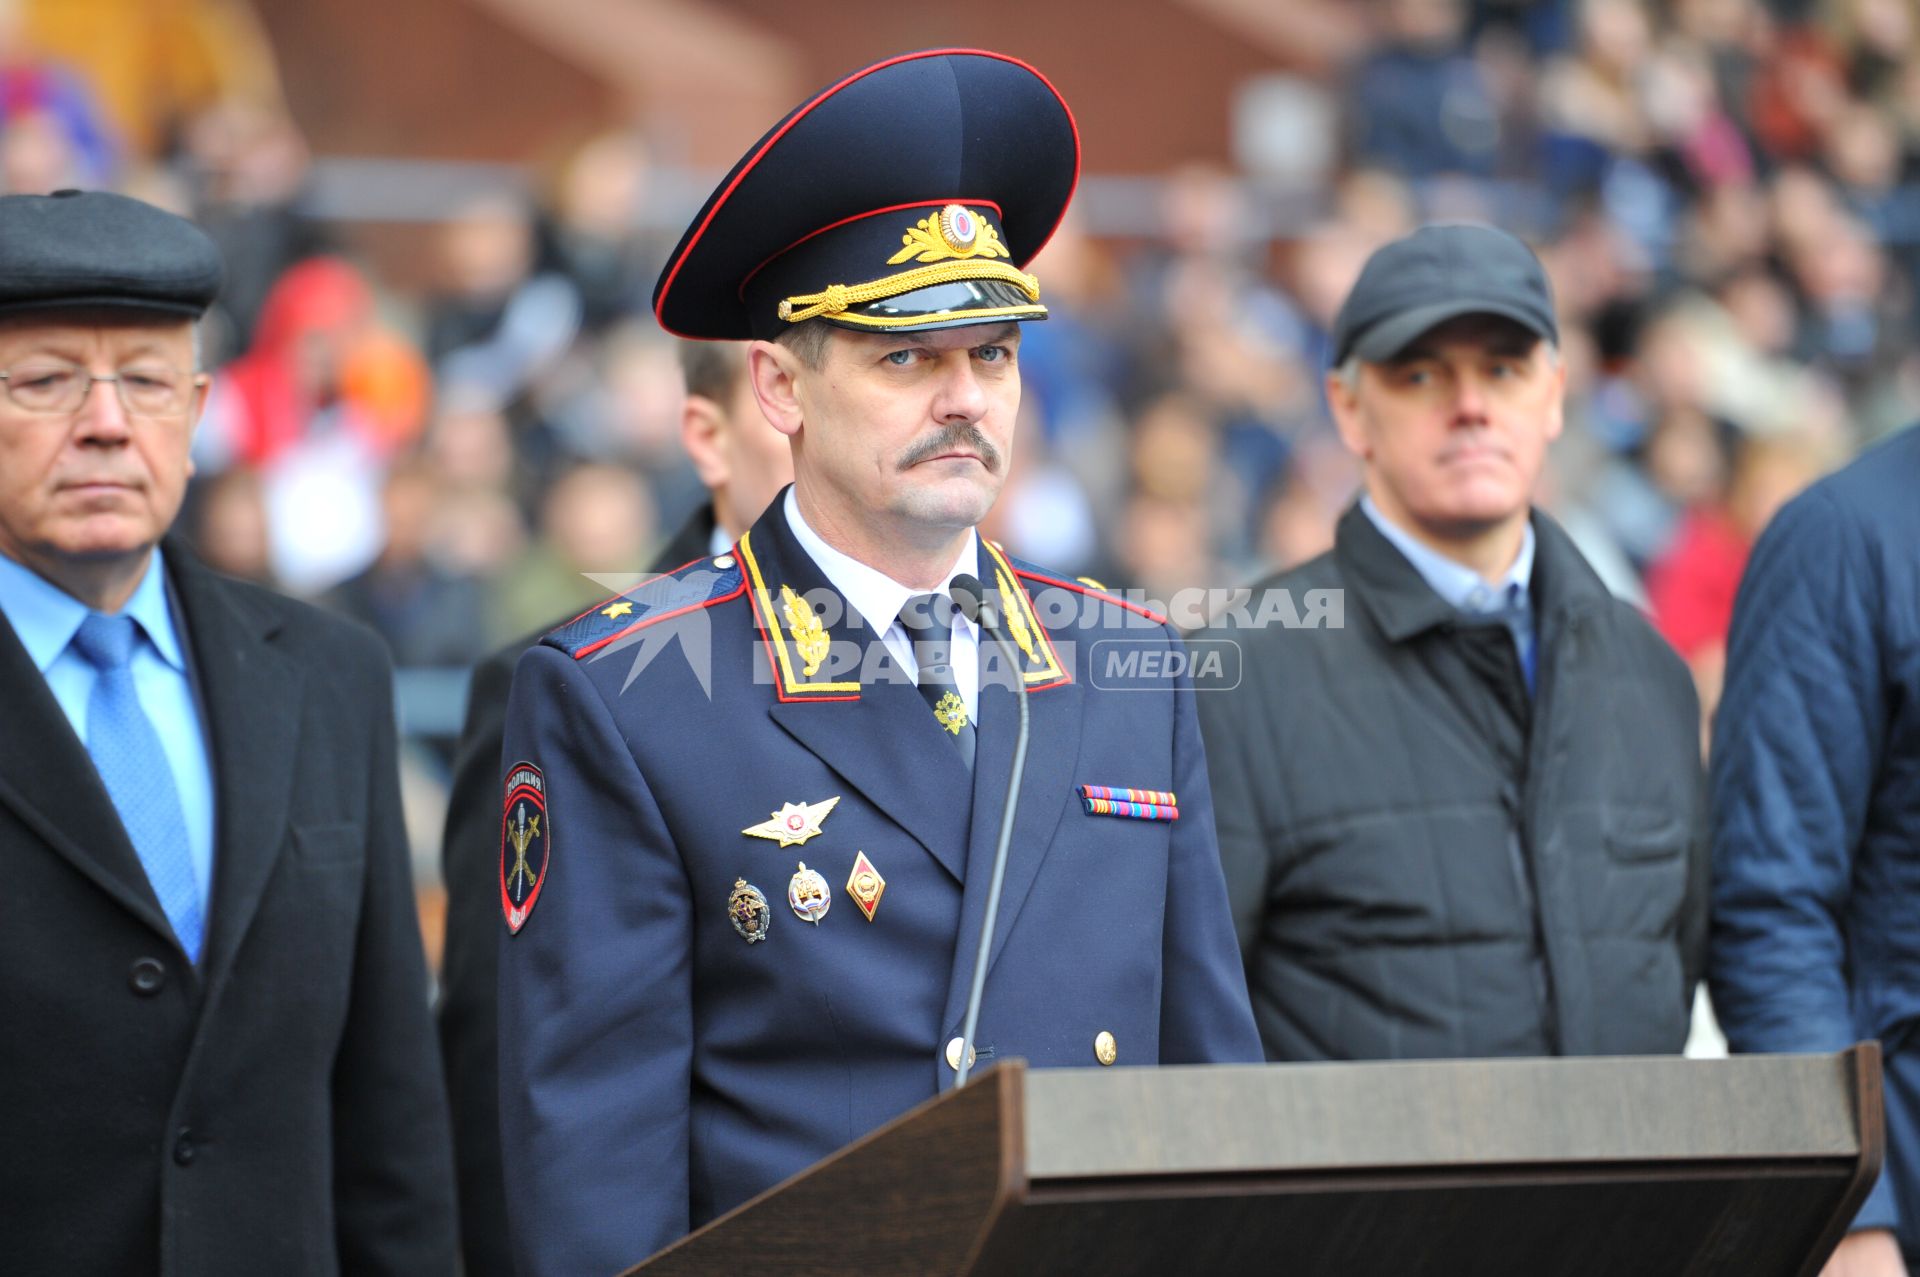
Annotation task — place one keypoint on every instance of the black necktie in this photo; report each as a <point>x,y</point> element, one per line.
<point>928,621</point>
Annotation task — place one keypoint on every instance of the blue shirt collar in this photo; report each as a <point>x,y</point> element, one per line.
<point>1459,585</point>
<point>45,617</point>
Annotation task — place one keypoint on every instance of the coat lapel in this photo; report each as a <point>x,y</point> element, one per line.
<point>1055,712</point>
<point>48,779</point>
<point>918,790</point>
<point>251,694</point>
<point>840,693</point>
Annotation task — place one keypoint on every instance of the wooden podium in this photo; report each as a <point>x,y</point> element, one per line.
<point>1544,1168</point>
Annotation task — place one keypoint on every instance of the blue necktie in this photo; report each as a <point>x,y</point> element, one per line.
<point>128,755</point>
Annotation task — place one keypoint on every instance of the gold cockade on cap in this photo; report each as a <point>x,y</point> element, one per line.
<point>956,232</point>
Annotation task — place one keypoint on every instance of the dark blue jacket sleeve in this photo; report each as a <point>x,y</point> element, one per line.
<point>1796,746</point>
<point>596,1023</point>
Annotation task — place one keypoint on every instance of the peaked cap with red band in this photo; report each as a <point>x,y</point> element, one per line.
<point>908,196</point>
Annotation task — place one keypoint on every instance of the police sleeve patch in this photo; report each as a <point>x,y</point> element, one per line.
<point>526,843</point>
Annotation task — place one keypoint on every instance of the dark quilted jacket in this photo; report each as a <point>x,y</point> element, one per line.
<point>1816,795</point>
<point>1425,862</point>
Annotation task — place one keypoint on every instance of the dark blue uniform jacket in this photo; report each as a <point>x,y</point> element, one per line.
<point>1816,795</point>
<point>657,1068</point>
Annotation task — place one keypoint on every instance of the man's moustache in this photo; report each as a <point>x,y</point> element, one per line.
<point>968,437</point>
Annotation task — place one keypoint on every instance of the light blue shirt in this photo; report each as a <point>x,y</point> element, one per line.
<point>1511,598</point>
<point>45,618</point>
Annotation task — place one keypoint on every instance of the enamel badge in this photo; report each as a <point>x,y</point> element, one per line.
<point>794,823</point>
<point>865,885</point>
<point>747,910</point>
<point>526,842</point>
<point>808,895</point>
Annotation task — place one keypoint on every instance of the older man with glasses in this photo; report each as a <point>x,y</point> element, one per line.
<point>220,1053</point>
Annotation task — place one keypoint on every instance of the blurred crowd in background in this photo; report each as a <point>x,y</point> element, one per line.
<point>1720,189</point>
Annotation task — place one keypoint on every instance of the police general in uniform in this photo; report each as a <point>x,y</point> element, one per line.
<point>219,1058</point>
<point>750,809</point>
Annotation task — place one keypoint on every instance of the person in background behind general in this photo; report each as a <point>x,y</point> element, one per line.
<point>744,462</point>
<point>1469,820</point>
<point>1816,808</point>
<point>220,1057</point>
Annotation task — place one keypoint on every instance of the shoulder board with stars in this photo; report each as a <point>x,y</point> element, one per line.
<point>701,583</point>
<point>1039,577</point>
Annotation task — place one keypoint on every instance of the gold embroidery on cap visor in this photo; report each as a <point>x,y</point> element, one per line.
<point>836,301</point>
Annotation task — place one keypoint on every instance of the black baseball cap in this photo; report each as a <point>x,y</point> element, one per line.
<point>1441,272</point>
<point>87,250</point>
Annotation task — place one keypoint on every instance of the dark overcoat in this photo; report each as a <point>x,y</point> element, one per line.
<point>277,1109</point>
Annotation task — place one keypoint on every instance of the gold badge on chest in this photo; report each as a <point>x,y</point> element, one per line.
<point>794,823</point>
<point>865,885</point>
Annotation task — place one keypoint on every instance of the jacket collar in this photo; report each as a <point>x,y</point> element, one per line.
<point>1455,582</point>
<point>1404,605</point>
<point>817,642</point>
<point>877,597</point>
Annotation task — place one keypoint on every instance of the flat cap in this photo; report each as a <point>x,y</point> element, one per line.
<point>86,249</point>
<point>1440,272</point>
<point>908,196</point>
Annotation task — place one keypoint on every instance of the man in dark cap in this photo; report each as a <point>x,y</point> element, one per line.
<point>1468,819</point>
<point>750,810</point>
<point>221,1057</point>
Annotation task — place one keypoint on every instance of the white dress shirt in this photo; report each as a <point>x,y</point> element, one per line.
<point>878,599</point>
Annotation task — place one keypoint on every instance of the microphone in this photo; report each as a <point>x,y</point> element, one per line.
<point>970,599</point>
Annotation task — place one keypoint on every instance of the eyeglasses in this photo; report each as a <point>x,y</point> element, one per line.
<point>145,390</point>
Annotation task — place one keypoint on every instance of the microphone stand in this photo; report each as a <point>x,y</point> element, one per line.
<point>970,597</point>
